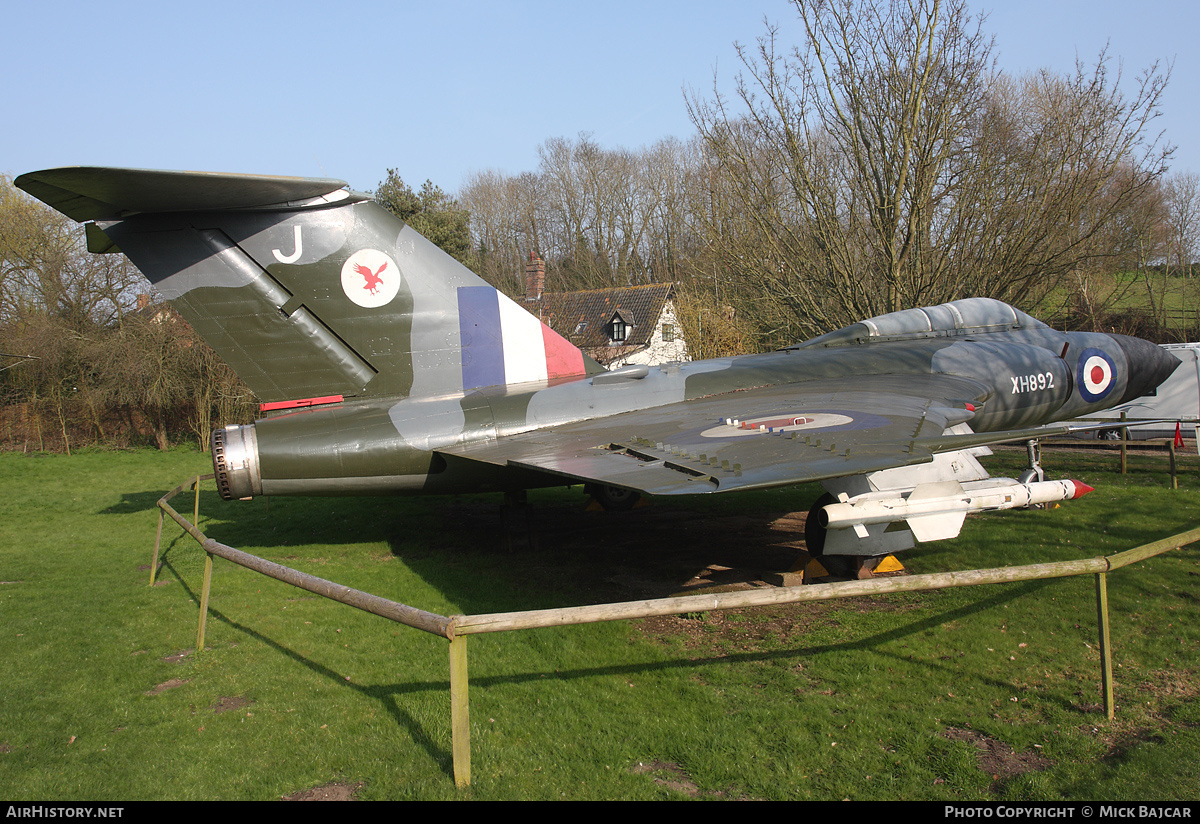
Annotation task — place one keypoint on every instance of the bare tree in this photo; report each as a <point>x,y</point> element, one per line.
<point>597,214</point>
<point>598,217</point>
<point>45,267</point>
<point>883,163</point>
<point>1183,208</point>
<point>499,236</point>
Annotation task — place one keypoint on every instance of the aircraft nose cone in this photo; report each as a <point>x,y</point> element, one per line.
<point>1149,365</point>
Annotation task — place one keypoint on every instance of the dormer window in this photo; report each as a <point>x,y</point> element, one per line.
<point>617,329</point>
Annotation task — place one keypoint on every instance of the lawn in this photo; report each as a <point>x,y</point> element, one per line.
<point>1173,298</point>
<point>986,693</point>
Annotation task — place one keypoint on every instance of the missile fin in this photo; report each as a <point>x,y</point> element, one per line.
<point>938,527</point>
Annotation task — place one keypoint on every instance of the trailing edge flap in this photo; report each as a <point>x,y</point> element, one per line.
<point>85,193</point>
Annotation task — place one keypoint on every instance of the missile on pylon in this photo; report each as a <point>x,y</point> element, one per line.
<point>935,511</point>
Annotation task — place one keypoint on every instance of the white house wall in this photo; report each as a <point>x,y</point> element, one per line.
<point>659,350</point>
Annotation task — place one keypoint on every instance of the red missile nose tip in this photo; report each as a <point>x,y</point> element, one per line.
<point>1081,489</point>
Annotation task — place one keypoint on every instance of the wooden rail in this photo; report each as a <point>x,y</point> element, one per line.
<point>374,604</point>
<point>458,627</point>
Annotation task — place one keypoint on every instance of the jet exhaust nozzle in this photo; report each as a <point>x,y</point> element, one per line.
<point>235,462</point>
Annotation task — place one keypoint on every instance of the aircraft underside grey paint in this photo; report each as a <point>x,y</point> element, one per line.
<point>423,378</point>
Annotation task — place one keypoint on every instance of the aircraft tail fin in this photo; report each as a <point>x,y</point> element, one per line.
<point>309,290</point>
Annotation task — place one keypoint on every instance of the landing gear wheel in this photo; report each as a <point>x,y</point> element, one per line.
<point>839,566</point>
<point>1031,475</point>
<point>814,533</point>
<point>613,498</point>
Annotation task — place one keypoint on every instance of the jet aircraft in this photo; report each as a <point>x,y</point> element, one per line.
<point>384,366</point>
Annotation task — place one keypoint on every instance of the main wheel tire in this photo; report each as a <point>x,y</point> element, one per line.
<point>814,533</point>
<point>614,498</point>
<point>839,566</point>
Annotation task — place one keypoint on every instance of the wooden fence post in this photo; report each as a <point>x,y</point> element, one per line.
<point>204,589</point>
<point>460,725</point>
<point>1105,643</point>
<point>157,546</point>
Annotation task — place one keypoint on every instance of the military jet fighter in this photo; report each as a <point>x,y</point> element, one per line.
<point>386,367</point>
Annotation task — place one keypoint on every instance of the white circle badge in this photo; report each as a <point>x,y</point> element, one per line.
<point>370,278</point>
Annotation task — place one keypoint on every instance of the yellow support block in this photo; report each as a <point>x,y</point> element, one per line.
<point>889,564</point>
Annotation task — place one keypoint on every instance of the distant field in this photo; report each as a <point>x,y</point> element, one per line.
<point>1176,300</point>
<point>987,693</point>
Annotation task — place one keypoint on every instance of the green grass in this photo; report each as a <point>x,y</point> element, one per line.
<point>1176,299</point>
<point>892,697</point>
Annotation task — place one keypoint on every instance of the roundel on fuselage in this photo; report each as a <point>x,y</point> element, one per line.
<point>1095,375</point>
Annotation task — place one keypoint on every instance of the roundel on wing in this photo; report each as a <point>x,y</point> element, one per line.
<point>1095,374</point>
<point>789,422</point>
<point>795,422</point>
<point>370,278</point>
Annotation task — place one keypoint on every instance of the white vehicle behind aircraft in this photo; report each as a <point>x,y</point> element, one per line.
<point>1177,399</point>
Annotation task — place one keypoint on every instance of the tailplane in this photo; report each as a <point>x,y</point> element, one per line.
<point>308,290</point>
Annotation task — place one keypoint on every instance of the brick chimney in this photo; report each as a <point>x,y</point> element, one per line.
<point>535,277</point>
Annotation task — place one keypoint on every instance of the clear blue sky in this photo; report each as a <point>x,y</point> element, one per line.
<point>438,90</point>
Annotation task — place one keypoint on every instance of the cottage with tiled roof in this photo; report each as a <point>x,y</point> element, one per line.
<point>616,327</point>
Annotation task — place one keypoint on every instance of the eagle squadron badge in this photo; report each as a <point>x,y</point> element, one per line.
<point>370,278</point>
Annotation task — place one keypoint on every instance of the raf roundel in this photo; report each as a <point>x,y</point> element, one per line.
<point>370,278</point>
<point>791,422</point>
<point>794,422</point>
<point>1095,375</point>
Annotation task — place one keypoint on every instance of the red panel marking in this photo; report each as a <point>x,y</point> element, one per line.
<point>267,407</point>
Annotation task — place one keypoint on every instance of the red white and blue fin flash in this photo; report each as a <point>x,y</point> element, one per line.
<point>503,344</point>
